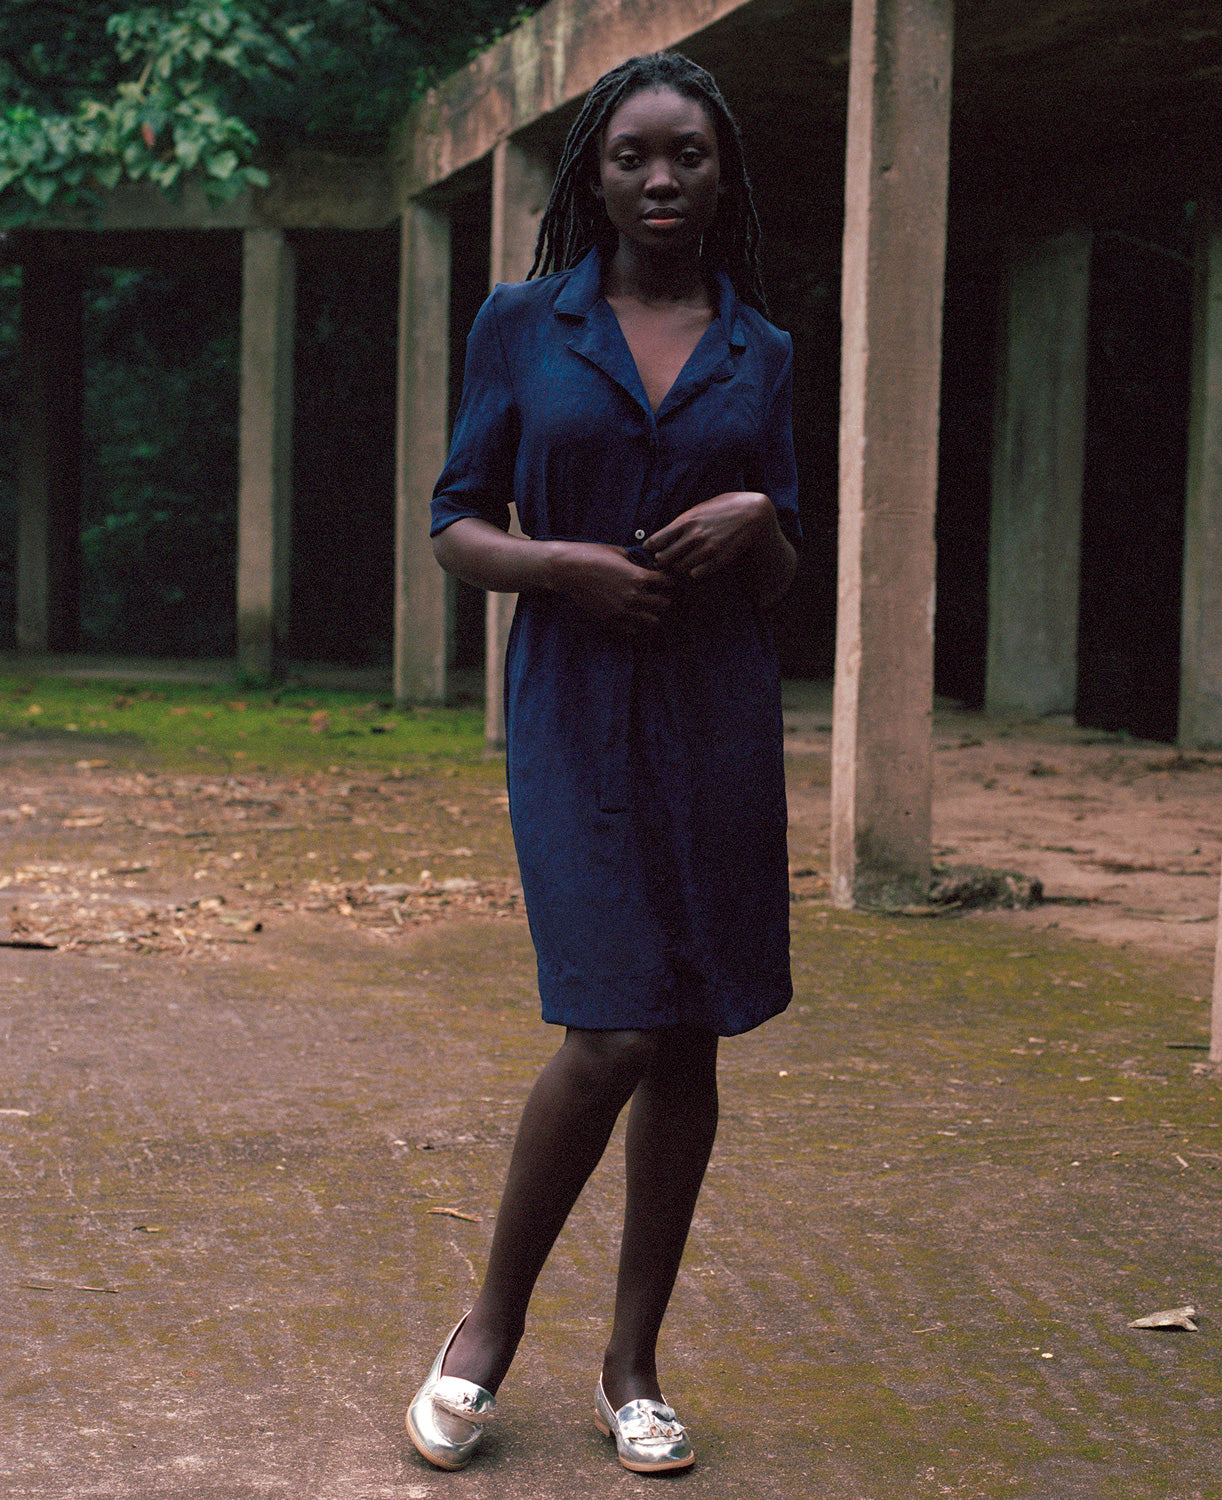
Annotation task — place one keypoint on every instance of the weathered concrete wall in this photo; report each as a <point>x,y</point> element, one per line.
<point>894,252</point>
<point>49,462</point>
<point>1038,445</point>
<point>1201,630</point>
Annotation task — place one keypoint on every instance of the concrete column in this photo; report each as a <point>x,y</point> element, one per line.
<point>521,183</point>
<point>265,445</point>
<point>1215,1030</point>
<point>49,460</point>
<point>1038,446</point>
<point>422,615</point>
<point>894,254</point>
<point>1201,631</point>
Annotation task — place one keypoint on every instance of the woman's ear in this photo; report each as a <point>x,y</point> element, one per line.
<point>596,188</point>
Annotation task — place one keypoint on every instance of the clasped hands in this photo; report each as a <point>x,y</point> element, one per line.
<point>702,541</point>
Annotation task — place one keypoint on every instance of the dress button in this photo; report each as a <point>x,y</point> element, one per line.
<point>639,534</point>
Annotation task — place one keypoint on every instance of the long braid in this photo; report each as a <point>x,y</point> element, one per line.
<point>574,219</point>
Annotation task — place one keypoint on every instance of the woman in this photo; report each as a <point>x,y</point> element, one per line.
<point>635,406</point>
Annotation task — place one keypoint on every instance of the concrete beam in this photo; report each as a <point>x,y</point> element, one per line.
<point>307,190</point>
<point>1201,630</point>
<point>265,443</point>
<point>1035,527</point>
<point>49,460</point>
<point>549,60</point>
<point>422,591</point>
<point>894,254</point>
<point>521,183</point>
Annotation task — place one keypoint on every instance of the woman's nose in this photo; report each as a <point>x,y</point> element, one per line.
<point>660,180</point>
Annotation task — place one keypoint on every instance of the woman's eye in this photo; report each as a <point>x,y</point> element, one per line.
<point>629,160</point>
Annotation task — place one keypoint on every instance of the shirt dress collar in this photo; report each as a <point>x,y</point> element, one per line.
<point>600,340</point>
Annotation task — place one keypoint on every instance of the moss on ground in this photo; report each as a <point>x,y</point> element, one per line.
<point>203,728</point>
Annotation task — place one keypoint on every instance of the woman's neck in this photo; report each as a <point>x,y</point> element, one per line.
<point>655,279</point>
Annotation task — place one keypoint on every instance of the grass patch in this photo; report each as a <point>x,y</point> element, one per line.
<point>207,728</point>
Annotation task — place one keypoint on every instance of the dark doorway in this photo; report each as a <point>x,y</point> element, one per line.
<point>1139,356</point>
<point>341,594</point>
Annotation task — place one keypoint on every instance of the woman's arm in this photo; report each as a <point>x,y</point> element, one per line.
<point>597,577</point>
<point>739,526</point>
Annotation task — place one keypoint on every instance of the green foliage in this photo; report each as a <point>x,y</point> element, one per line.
<point>159,479</point>
<point>167,120</point>
<point>199,89</point>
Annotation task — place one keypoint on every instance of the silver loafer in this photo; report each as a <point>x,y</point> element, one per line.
<point>447,1416</point>
<point>649,1438</point>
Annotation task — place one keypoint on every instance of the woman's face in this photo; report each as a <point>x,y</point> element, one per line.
<point>659,176</point>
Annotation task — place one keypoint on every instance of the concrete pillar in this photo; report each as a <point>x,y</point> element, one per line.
<point>49,459</point>
<point>894,254</point>
<point>521,183</point>
<point>1215,1030</point>
<point>1201,630</point>
<point>265,444</point>
<point>422,615</point>
<point>1038,445</point>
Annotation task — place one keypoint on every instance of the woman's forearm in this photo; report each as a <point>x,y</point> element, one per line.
<point>483,554</point>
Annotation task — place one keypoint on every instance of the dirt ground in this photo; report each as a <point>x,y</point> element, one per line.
<point>264,1039</point>
<point>1124,835</point>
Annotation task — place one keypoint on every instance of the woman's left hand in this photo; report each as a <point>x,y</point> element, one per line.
<point>737,525</point>
<point>711,535</point>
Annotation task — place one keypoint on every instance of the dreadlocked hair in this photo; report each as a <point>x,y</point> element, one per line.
<point>575,220</point>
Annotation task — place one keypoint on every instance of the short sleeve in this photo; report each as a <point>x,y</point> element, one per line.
<point>478,476</point>
<point>778,473</point>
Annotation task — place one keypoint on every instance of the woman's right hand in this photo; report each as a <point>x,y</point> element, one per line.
<point>599,578</point>
<point>612,589</point>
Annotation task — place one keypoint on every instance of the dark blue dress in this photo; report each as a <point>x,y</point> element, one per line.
<point>646,782</point>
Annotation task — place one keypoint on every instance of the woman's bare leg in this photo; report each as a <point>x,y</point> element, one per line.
<point>563,1133</point>
<point>671,1128</point>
